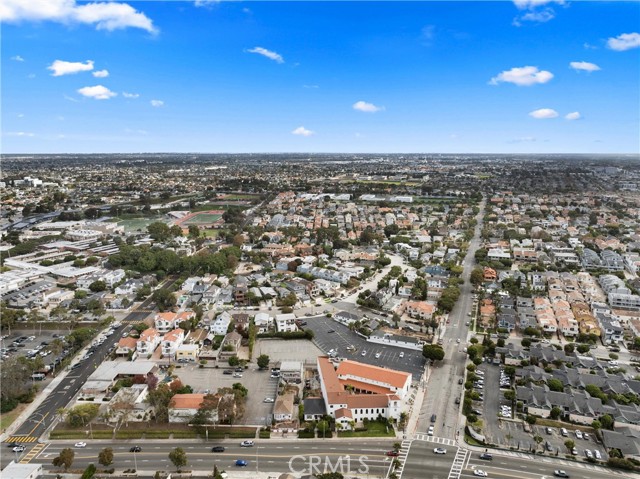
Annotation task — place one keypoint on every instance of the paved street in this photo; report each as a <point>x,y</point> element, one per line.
<point>267,455</point>
<point>443,386</point>
<point>45,415</point>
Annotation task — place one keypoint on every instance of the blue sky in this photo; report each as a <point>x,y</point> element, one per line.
<point>524,77</point>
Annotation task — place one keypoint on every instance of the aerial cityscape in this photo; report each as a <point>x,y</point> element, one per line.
<point>328,240</point>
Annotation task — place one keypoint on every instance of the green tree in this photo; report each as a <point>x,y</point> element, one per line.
<point>194,231</point>
<point>606,421</point>
<point>477,276</point>
<point>98,286</point>
<point>64,459</point>
<point>263,361</point>
<point>234,361</point>
<point>555,412</point>
<point>569,444</point>
<point>433,352</point>
<point>178,457</point>
<point>175,231</point>
<point>159,231</point>
<point>164,299</point>
<point>555,385</point>
<point>105,457</point>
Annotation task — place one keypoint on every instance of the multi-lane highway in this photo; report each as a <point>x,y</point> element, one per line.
<point>357,456</point>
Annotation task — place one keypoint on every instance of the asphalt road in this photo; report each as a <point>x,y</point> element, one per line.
<point>423,463</point>
<point>45,415</point>
<point>298,457</point>
<point>443,386</point>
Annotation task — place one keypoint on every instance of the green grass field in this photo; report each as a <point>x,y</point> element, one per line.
<point>135,224</point>
<point>202,219</point>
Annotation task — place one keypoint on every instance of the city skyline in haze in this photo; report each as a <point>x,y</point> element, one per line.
<point>529,76</point>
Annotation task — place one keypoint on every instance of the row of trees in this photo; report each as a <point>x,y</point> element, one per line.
<point>106,457</point>
<point>148,259</point>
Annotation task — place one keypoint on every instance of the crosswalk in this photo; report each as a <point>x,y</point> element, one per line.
<point>436,440</point>
<point>402,458</point>
<point>28,457</point>
<point>458,463</point>
<point>21,439</point>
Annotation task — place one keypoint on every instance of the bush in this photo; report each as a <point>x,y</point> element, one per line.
<point>89,472</point>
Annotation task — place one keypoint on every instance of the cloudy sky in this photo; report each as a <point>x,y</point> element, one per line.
<point>205,76</point>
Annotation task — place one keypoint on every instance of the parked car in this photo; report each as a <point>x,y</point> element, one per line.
<point>401,355</point>
<point>217,449</point>
<point>246,444</point>
<point>597,454</point>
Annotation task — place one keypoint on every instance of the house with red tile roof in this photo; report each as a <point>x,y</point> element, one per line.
<point>357,391</point>
<point>184,406</point>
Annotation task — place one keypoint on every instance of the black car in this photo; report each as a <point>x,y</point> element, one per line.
<point>486,456</point>
<point>331,331</point>
<point>239,370</point>
<point>227,371</point>
<point>433,418</point>
<point>13,444</point>
<point>217,449</point>
<point>135,449</point>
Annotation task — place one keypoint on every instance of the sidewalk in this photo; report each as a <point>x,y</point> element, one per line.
<point>40,397</point>
<point>412,423</point>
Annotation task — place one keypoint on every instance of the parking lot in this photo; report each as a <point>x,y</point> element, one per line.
<point>350,345</point>
<point>506,432</point>
<point>287,350</point>
<point>259,383</point>
<point>28,343</point>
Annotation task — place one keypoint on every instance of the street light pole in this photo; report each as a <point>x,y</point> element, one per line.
<point>135,461</point>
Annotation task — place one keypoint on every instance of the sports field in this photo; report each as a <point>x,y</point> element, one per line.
<point>202,218</point>
<point>136,224</point>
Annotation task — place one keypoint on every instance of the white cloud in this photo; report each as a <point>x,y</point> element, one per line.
<point>540,16</point>
<point>276,57</point>
<point>20,115</point>
<point>585,66</point>
<point>157,103</point>
<point>60,67</point>
<point>20,133</point>
<point>104,15</point>
<point>97,92</point>
<point>130,95</point>
<point>17,58</point>
<point>573,116</point>
<point>367,107</point>
<point>523,139</point>
<point>313,87</point>
<point>543,114</point>
<point>302,131</point>
<point>101,73</point>
<point>522,76</point>
<point>205,3</point>
<point>524,4</point>
<point>625,41</point>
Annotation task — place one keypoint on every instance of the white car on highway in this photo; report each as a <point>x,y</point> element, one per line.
<point>80,444</point>
<point>480,473</point>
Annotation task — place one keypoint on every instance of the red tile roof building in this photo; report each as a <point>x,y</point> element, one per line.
<point>357,391</point>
